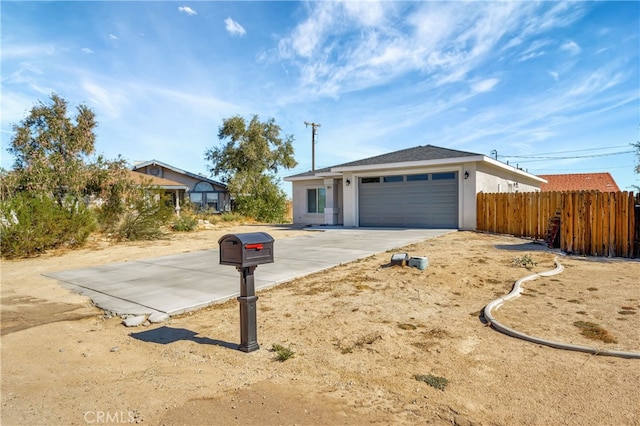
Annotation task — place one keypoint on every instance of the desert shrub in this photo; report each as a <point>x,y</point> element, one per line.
<point>525,261</point>
<point>269,207</point>
<point>232,217</point>
<point>433,381</point>
<point>31,224</point>
<point>282,353</point>
<point>185,224</point>
<point>138,213</point>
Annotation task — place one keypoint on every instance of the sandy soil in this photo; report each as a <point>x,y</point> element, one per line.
<point>361,333</point>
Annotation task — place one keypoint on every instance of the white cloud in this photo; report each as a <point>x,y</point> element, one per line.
<point>366,13</point>
<point>86,50</point>
<point>187,10</point>
<point>30,76</point>
<point>571,47</point>
<point>484,85</point>
<point>234,28</point>
<point>26,51</point>
<point>113,37</point>
<point>555,75</point>
<point>15,107</point>
<point>534,50</point>
<point>108,100</point>
<point>346,46</point>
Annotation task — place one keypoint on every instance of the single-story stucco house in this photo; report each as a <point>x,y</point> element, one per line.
<point>205,193</point>
<point>425,186</point>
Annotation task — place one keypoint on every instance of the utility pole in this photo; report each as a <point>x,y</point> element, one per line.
<point>314,126</point>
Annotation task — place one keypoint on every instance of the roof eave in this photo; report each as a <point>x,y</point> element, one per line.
<point>407,164</point>
<point>513,169</point>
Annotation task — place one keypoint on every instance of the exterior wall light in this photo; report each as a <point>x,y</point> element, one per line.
<point>348,182</point>
<point>466,174</point>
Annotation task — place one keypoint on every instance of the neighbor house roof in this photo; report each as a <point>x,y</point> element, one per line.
<point>177,170</point>
<point>163,183</point>
<point>579,182</point>
<point>415,154</point>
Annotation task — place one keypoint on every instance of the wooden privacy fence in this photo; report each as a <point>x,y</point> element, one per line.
<point>591,223</point>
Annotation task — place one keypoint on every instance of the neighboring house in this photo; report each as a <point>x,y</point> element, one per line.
<point>175,190</point>
<point>602,182</point>
<point>425,186</point>
<point>205,193</point>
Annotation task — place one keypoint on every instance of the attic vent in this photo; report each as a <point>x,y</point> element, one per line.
<point>155,171</point>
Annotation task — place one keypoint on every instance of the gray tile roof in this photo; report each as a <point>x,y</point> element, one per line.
<point>417,153</point>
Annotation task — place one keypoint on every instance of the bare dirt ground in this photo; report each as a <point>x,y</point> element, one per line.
<point>361,332</point>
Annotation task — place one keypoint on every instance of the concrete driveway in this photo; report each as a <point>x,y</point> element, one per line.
<point>185,282</point>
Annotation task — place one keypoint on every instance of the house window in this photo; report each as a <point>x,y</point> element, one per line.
<point>398,178</point>
<point>316,198</point>
<point>371,180</point>
<point>443,176</point>
<point>204,196</point>
<point>412,178</point>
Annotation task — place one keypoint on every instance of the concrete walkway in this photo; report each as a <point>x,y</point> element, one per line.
<point>185,282</point>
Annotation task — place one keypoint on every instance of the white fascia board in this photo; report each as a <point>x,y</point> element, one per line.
<point>312,177</point>
<point>298,178</point>
<point>408,164</point>
<point>513,169</point>
<point>174,187</point>
<point>329,174</point>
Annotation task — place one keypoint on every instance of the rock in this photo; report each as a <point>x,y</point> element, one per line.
<point>115,349</point>
<point>134,321</point>
<point>158,317</point>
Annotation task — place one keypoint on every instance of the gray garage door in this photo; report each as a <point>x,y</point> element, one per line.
<point>427,200</point>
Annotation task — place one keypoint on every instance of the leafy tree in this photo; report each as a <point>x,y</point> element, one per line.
<point>248,162</point>
<point>51,149</point>
<point>44,200</point>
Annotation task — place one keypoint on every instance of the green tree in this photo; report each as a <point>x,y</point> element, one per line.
<point>51,149</point>
<point>45,199</point>
<point>248,162</point>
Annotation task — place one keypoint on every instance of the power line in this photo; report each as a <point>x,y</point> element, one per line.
<point>561,152</point>
<point>542,169</point>
<point>536,158</point>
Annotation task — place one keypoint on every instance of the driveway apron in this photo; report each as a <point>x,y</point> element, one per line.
<point>185,282</point>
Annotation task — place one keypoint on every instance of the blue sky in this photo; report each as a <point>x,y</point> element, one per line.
<point>551,86</point>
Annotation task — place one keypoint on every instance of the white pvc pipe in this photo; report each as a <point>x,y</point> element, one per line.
<point>515,292</point>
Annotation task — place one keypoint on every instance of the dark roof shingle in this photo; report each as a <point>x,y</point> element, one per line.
<point>417,153</point>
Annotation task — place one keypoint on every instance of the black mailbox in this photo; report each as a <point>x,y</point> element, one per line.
<point>244,250</point>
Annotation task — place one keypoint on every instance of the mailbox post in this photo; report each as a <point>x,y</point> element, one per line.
<point>246,252</point>
<point>247,301</point>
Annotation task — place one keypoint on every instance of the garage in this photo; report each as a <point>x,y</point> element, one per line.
<point>425,200</point>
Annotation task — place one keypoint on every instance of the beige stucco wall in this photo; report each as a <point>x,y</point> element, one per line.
<point>493,179</point>
<point>333,209</point>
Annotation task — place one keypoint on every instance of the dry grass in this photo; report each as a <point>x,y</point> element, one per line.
<point>595,332</point>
